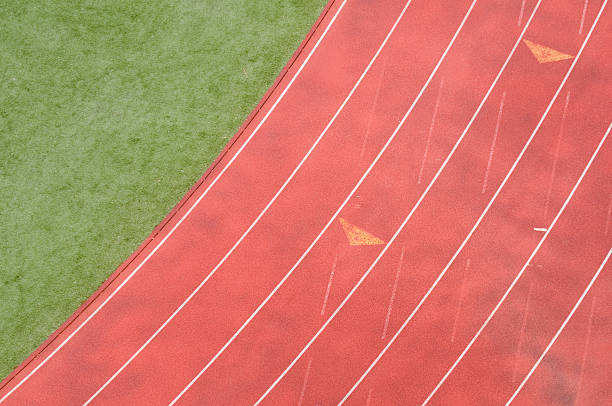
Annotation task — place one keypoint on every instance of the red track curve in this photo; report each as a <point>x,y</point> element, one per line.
<point>484,176</point>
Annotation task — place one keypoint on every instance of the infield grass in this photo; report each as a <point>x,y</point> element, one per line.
<point>109,111</point>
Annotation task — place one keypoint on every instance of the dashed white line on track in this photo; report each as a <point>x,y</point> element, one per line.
<point>584,353</point>
<point>520,18</point>
<point>584,10</point>
<point>608,215</point>
<point>430,132</point>
<point>306,375</point>
<point>329,284</point>
<point>373,110</point>
<point>556,157</point>
<point>519,346</point>
<point>493,142</point>
<point>393,292</point>
<point>461,296</point>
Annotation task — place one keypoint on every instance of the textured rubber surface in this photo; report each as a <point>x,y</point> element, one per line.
<point>417,211</point>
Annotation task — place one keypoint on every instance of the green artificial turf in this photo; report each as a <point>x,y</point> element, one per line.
<point>109,111</point>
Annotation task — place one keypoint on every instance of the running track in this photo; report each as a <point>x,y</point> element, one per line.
<point>417,212</point>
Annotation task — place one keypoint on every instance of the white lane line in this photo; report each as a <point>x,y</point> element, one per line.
<point>585,352</point>
<point>390,342</point>
<point>393,293</point>
<point>163,240</point>
<point>608,216</point>
<point>373,110</point>
<point>567,319</point>
<point>492,150</point>
<point>303,392</point>
<point>263,212</point>
<point>333,218</point>
<point>456,254</point>
<point>461,296</point>
<point>556,157</point>
<point>519,346</point>
<point>584,10</point>
<point>520,18</point>
<point>540,229</point>
<point>329,283</point>
<point>522,271</point>
<point>296,359</point>
<point>429,134</point>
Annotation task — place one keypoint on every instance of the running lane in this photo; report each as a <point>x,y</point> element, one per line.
<point>382,114</point>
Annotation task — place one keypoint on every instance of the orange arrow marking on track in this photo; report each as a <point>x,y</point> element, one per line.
<point>545,54</point>
<point>358,236</point>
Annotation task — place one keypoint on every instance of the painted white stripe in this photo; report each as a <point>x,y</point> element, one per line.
<point>329,284</point>
<point>303,392</point>
<point>519,346</point>
<point>441,275</point>
<point>408,217</point>
<point>430,133</point>
<point>607,228</point>
<point>461,296</point>
<point>520,18</point>
<point>493,143</point>
<point>584,353</point>
<point>584,10</point>
<point>373,110</point>
<point>553,170</point>
<point>393,293</point>
<point>333,218</point>
<point>263,212</point>
<point>163,240</point>
<point>521,272</point>
<point>558,333</point>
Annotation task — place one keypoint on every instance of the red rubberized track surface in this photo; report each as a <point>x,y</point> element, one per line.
<point>417,212</point>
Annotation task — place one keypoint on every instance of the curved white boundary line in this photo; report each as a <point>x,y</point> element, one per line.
<point>567,319</point>
<point>520,273</point>
<point>333,218</point>
<point>261,214</point>
<point>551,225</point>
<point>282,95</point>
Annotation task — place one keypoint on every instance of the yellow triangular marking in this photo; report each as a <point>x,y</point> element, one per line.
<point>358,236</point>
<point>545,54</point>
